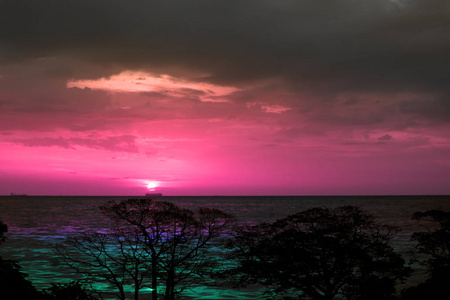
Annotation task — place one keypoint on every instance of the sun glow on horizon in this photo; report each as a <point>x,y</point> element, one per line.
<point>152,185</point>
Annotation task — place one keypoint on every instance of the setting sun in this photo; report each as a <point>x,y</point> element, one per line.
<point>152,185</point>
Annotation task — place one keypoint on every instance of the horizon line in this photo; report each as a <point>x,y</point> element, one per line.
<point>230,195</point>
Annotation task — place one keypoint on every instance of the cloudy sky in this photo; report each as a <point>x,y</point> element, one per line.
<point>225,97</point>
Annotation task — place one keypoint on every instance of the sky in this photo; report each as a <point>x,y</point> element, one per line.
<point>224,97</point>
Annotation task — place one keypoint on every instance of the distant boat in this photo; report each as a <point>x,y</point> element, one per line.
<point>153,195</point>
<point>18,195</point>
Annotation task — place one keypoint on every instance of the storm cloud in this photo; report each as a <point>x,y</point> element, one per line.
<point>332,45</point>
<point>331,85</point>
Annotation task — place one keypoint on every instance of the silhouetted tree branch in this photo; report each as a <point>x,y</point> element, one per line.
<point>435,240</point>
<point>434,244</point>
<point>118,258</point>
<point>177,239</point>
<point>321,253</point>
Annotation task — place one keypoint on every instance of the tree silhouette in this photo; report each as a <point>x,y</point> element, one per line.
<point>150,218</point>
<point>150,240</point>
<point>69,291</point>
<point>321,253</point>
<point>117,258</point>
<point>3,230</point>
<point>435,240</point>
<point>177,240</point>
<point>13,283</point>
<point>433,243</point>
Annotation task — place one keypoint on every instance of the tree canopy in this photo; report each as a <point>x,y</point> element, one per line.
<point>13,282</point>
<point>177,239</point>
<point>150,240</point>
<point>115,258</point>
<point>434,241</point>
<point>3,230</point>
<point>433,248</point>
<point>321,253</point>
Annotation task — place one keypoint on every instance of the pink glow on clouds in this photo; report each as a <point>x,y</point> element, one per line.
<point>207,105</point>
<point>217,148</point>
<point>276,109</point>
<point>204,156</point>
<point>129,81</point>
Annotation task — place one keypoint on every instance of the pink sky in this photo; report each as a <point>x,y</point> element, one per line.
<point>245,100</point>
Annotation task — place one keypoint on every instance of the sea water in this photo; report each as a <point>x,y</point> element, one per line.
<point>36,223</point>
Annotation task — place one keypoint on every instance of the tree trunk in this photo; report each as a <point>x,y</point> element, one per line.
<point>154,276</point>
<point>170,285</point>
<point>122,293</point>
<point>136,291</point>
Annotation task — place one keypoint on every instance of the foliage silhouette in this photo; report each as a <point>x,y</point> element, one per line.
<point>13,283</point>
<point>434,243</point>
<point>154,241</point>
<point>435,240</point>
<point>117,258</point>
<point>178,240</point>
<point>70,291</point>
<point>3,230</point>
<point>321,253</point>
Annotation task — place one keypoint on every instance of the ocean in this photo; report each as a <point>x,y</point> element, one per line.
<point>36,223</point>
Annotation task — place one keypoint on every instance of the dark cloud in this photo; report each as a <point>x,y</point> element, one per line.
<point>44,142</point>
<point>432,107</point>
<point>124,143</point>
<point>386,137</point>
<point>374,45</point>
